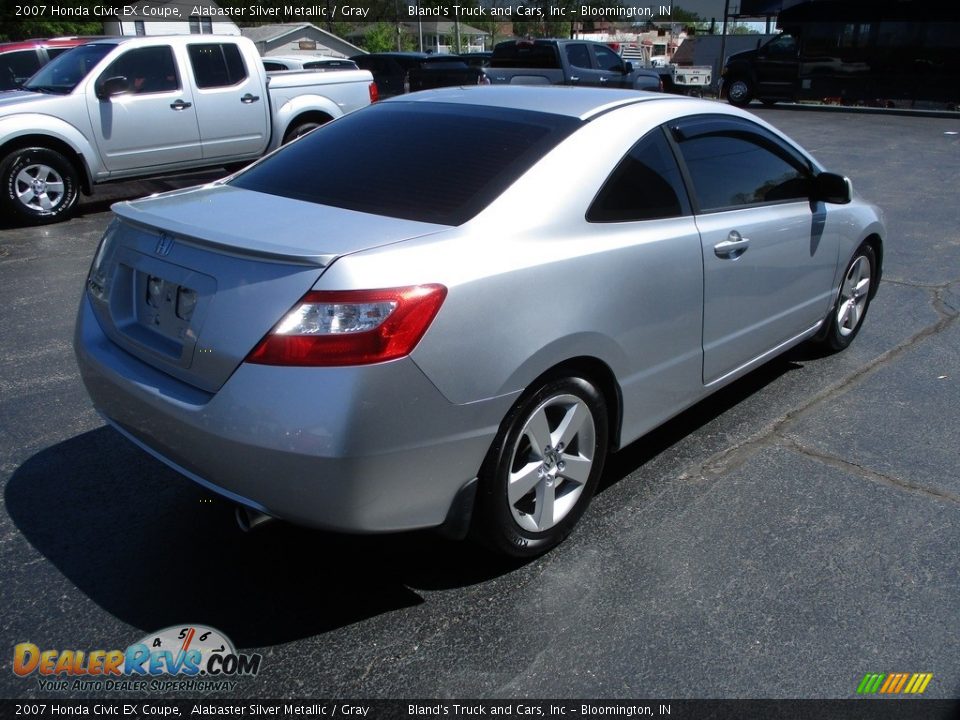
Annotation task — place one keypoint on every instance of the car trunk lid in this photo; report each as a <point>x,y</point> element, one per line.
<point>190,281</point>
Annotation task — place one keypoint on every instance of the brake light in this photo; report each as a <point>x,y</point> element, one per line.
<point>374,92</point>
<point>351,327</point>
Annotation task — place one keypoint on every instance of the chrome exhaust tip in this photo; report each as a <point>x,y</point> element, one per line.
<point>249,519</point>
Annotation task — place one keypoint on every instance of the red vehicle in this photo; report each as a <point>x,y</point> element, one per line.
<point>20,60</point>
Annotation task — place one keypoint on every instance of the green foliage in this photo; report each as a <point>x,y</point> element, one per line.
<point>382,37</point>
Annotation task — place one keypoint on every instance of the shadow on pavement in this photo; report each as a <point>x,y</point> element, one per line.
<point>154,550</point>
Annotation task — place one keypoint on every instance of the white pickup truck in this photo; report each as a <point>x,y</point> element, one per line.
<point>120,108</point>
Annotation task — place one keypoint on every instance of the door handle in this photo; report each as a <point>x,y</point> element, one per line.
<point>603,80</point>
<point>248,98</point>
<point>574,79</point>
<point>733,247</point>
<point>180,105</point>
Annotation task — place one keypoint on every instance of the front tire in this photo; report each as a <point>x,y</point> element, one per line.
<point>39,185</point>
<point>853,300</point>
<point>543,468</point>
<point>739,92</point>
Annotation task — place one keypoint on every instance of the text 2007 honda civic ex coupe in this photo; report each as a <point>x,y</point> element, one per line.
<point>448,308</point>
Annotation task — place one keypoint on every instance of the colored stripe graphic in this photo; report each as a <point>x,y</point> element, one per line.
<point>894,683</point>
<point>870,683</point>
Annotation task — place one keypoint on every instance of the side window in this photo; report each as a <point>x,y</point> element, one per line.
<point>782,47</point>
<point>607,59</point>
<point>149,70</point>
<point>578,56</point>
<point>17,67</point>
<point>645,185</point>
<point>273,66</point>
<point>216,65</point>
<point>732,167</point>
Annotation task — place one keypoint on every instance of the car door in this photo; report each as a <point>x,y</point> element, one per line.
<point>768,259</point>
<point>610,67</point>
<point>232,108</point>
<point>153,124</point>
<point>582,71</point>
<point>777,67</point>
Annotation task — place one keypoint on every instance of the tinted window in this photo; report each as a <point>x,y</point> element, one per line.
<point>607,59</point>
<point>64,73</point>
<point>394,159</point>
<point>273,66</point>
<point>645,185</point>
<point>730,169</point>
<point>15,67</point>
<point>578,56</point>
<point>149,70</point>
<point>216,65</point>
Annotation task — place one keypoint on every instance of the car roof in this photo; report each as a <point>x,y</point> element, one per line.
<point>46,42</point>
<point>301,58</point>
<point>579,102</point>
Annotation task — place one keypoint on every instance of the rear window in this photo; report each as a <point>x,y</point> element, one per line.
<point>431,162</point>
<point>526,55</point>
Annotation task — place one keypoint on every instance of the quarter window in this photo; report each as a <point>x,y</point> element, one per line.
<point>217,65</point>
<point>644,186</point>
<point>731,167</point>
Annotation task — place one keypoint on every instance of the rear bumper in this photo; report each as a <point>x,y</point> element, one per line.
<point>359,449</point>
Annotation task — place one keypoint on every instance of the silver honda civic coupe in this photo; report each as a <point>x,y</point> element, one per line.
<point>445,310</point>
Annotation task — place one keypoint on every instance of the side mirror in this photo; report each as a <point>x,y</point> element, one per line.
<point>112,86</point>
<point>832,188</point>
<point>627,68</point>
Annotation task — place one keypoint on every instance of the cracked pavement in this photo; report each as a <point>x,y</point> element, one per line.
<point>797,530</point>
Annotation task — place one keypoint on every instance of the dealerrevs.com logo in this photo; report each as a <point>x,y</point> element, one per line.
<point>190,658</point>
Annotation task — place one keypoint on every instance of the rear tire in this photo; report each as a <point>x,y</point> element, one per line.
<point>542,469</point>
<point>39,185</point>
<point>299,131</point>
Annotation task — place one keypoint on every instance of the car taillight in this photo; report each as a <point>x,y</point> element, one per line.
<point>351,327</point>
<point>483,79</point>
<point>374,92</point>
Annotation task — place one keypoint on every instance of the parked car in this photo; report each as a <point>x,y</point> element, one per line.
<point>465,355</point>
<point>566,62</point>
<point>397,73</point>
<point>480,59</point>
<point>279,63</point>
<point>20,60</point>
<point>130,107</point>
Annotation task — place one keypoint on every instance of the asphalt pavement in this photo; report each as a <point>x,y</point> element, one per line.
<point>799,529</point>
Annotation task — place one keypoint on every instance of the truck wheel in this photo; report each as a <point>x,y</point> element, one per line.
<point>739,92</point>
<point>39,185</point>
<point>542,469</point>
<point>299,131</point>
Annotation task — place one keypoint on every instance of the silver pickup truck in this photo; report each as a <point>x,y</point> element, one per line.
<point>120,108</point>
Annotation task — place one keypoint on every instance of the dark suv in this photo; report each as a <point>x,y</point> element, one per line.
<point>20,60</point>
